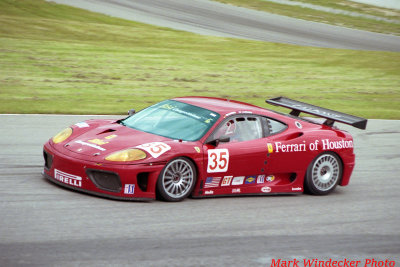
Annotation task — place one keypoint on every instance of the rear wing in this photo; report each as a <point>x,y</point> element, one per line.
<point>331,115</point>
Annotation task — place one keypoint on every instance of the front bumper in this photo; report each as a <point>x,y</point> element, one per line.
<point>48,177</point>
<point>115,181</point>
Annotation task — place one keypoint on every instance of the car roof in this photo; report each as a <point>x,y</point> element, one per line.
<point>227,106</point>
<point>220,105</point>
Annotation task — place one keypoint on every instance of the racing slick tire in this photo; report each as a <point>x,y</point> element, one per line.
<point>177,180</point>
<point>323,174</point>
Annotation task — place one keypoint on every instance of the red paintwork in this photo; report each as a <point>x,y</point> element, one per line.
<point>249,158</point>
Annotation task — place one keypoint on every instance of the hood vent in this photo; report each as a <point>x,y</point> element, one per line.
<point>106,131</point>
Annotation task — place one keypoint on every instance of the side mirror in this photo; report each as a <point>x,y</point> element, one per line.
<point>221,139</point>
<point>131,112</point>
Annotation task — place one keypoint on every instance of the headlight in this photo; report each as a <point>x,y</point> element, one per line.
<point>131,154</point>
<point>62,136</point>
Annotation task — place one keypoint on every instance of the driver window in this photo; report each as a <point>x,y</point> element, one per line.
<point>240,129</point>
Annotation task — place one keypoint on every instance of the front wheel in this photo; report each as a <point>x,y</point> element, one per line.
<point>176,180</point>
<point>323,174</point>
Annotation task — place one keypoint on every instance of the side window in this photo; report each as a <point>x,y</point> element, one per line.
<point>275,126</point>
<point>240,129</point>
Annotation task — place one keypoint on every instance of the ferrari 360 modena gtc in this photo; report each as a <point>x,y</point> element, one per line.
<point>205,147</point>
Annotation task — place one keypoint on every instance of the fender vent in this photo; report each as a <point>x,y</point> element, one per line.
<point>292,177</point>
<point>142,180</point>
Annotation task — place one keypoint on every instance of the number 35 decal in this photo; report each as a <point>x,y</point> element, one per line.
<point>218,160</point>
<point>155,149</point>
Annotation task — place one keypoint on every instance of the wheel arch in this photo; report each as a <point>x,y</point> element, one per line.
<point>186,157</point>
<point>341,162</point>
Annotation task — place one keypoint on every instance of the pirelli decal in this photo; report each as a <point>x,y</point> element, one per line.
<point>68,178</point>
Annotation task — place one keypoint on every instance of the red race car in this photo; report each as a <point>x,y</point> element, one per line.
<point>203,147</point>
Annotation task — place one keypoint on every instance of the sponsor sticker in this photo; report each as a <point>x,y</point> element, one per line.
<point>82,124</point>
<point>212,182</point>
<point>68,178</point>
<point>209,192</point>
<point>270,178</point>
<point>155,149</point>
<point>325,144</point>
<point>197,149</point>
<point>266,189</point>
<point>260,179</point>
<point>297,188</point>
<point>108,137</point>
<point>236,190</point>
<point>328,144</point>
<point>270,148</point>
<point>129,189</point>
<point>316,110</point>
<point>226,181</point>
<point>218,160</point>
<point>250,180</point>
<point>279,147</point>
<point>230,113</point>
<point>238,180</point>
<point>98,141</point>
<point>91,145</point>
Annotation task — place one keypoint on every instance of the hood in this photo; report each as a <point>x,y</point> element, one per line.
<point>109,138</point>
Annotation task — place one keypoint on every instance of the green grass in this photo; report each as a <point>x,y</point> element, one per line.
<point>58,59</point>
<point>331,18</point>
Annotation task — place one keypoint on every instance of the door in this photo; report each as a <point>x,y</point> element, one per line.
<point>241,159</point>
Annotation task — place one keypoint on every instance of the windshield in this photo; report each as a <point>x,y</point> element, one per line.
<point>173,119</point>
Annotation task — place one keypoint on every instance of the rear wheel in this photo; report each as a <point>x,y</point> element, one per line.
<point>176,180</point>
<point>323,174</point>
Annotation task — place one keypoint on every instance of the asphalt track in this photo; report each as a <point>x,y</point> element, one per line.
<point>43,224</point>
<point>213,18</point>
